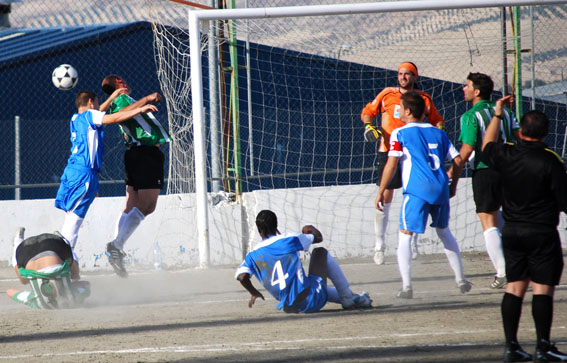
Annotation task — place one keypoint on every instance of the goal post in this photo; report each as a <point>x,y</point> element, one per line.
<point>198,17</point>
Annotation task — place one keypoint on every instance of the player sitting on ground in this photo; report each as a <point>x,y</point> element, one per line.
<point>275,262</point>
<point>46,263</point>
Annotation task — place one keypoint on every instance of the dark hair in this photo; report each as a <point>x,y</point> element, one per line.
<point>83,98</point>
<point>109,84</point>
<point>413,101</point>
<point>535,124</point>
<point>483,83</point>
<point>267,222</point>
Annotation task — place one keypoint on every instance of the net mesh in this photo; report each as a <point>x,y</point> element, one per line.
<point>308,78</point>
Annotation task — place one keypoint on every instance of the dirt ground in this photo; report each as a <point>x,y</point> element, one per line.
<point>202,316</point>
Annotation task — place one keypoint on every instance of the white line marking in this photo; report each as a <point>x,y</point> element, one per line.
<point>269,345</point>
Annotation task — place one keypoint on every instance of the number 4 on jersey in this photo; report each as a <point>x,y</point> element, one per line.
<point>278,276</point>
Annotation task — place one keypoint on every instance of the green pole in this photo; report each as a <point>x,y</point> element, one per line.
<point>518,61</point>
<point>234,101</point>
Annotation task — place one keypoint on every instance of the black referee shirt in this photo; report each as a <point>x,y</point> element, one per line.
<point>534,182</point>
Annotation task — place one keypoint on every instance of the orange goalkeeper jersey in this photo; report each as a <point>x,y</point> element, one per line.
<point>388,104</point>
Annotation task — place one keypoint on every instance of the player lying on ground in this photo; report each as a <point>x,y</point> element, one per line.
<point>275,262</point>
<point>46,263</point>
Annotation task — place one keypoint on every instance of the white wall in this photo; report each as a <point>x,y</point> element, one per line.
<point>344,214</point>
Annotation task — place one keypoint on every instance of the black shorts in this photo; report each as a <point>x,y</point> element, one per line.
<point>534,252</point>
<point>487,190</point>
<point>35,245</point>
<point>144,167</point>
<point>396,181</point>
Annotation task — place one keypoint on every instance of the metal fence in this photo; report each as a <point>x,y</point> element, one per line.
<point>108,36</point>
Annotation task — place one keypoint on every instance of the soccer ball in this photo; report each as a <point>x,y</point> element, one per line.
<point>65,77</point>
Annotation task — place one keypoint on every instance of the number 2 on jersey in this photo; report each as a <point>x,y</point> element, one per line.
<point>278,276</point>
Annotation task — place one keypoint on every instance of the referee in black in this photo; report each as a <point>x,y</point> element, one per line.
<point>532,248</point>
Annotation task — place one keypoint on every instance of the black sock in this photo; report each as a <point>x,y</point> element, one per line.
<point>542,312</point>
<point>511,311</point>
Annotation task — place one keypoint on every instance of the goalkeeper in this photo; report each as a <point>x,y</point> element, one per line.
<point>387,103</point>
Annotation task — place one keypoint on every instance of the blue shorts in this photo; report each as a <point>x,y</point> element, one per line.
<point>414,213</point>
<point>78,189</point>
<point>317,297</point>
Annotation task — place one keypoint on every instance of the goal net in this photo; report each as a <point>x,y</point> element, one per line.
<point>281,98</point>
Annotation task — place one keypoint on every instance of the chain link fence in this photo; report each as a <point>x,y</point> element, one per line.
<point>108,36</point>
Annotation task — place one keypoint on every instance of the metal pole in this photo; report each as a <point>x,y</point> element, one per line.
<point>234,102</point>
<point>363,8</point>
<point>216,146</point>
<point>17,157</point>
<point>532,56</point>
<point>198,135</point>
<point>249,94</point>
<point>504,51</point>
<point>518,61</point>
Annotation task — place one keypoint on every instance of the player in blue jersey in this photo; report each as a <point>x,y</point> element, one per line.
<point>276,264</point>
<point>422,148</point>
<point>79,182</point>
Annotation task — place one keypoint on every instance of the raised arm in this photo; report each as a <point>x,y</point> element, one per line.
<point>117,92</point>
<point>493,129</point>
<point>309,229</point>
<point>126,115</point>
<point>154,97</point>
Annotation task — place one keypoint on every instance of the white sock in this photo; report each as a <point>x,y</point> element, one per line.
<point>70,228</point>
<point>380,227</point>
<point>414,239</point>
<point>452,252</point>
<point>17,240</point>
<point>404,258</point>
<point>336,275</point>
<point>127,224</point>
<point>493,242</point>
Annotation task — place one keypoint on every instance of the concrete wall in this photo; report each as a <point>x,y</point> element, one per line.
<point>344,214</point>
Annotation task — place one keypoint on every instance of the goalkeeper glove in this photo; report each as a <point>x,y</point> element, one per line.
<point>441,127</point>
<point>371,133</point>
